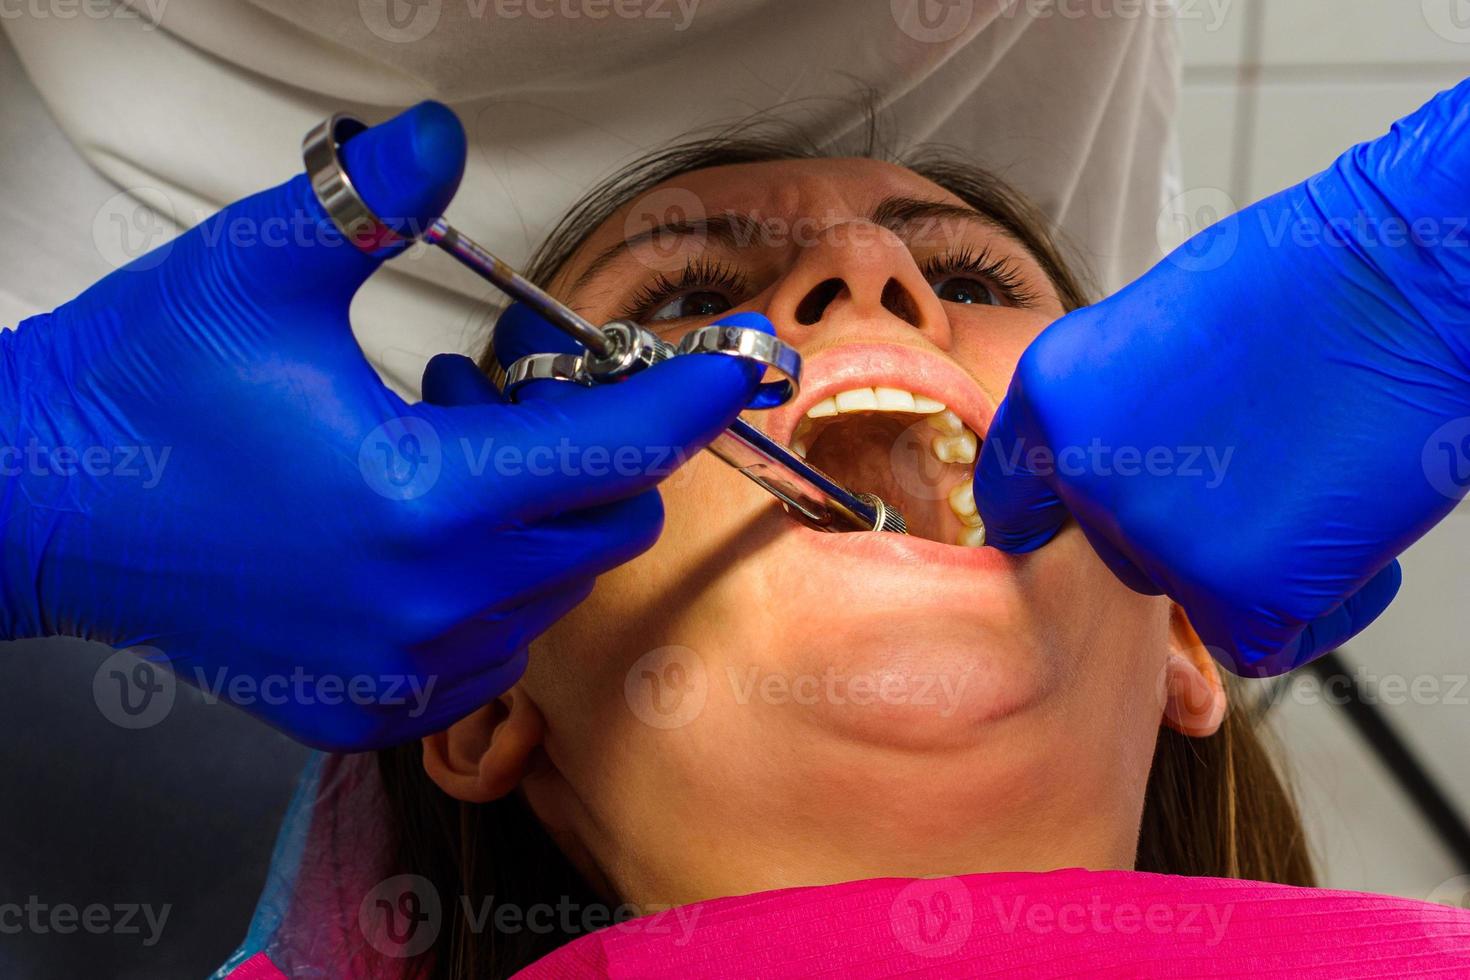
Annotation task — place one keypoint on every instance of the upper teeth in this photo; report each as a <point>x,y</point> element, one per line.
<point>874,400</point>
<point>954,442</point>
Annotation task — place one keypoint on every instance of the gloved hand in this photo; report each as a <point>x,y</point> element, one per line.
<point>1299,373</point>
<point>202,461</point>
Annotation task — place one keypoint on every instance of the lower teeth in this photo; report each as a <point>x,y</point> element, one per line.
<point>971,537</point>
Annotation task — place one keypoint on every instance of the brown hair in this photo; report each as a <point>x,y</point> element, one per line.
<point>1214,806</point>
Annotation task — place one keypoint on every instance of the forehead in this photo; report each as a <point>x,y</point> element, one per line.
<point>848,187</point>
<point>819,192</point>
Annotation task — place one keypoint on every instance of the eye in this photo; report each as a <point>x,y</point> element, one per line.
<point>977,278</point>
<point>698,304</point>
<point>965,289</point>
<point>706,288</point>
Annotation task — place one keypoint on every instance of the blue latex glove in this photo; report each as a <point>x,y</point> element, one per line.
<point>220,475</point>
<point>1316,344</point>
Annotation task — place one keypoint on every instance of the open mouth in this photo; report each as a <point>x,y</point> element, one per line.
<point>910,448</point>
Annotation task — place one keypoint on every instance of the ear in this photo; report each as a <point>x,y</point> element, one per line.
<point>483,756</point>
<point>1194,695</point>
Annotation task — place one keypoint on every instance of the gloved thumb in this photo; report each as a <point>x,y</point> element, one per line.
<point>1012,491</point>
<point>279,247</point>
<point>1263,656</point>
<point>612,441</point>
<point>453,379</point>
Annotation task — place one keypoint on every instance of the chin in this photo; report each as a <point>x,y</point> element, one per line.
<point>911,665</point>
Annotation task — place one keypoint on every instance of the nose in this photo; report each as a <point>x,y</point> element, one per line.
<point>856,271</point>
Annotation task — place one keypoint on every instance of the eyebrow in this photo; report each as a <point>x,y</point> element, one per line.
<point>736,231</point>
<point>733,231</point>
<point>895,212</point>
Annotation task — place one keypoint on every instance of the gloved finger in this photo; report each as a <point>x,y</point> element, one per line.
<point>1352,617</point>
<point>520,330</point>
<point>279,246</point>
<point>453,379</point>
<point>600,444</point>
<point>444,697</point>
<point>580,545</point>
<point>1019,508</point>
<point>1326,633</point>
<point>512,629</point>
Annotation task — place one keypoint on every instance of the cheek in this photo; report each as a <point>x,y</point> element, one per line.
<point>1113,641</point>
<point>680,592</point>
<point>989,341</point>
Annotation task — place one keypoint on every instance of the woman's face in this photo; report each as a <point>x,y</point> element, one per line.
<point>753,704</point>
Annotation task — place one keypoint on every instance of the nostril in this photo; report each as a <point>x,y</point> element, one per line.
<point>815,303</point>
<point>900,302</point>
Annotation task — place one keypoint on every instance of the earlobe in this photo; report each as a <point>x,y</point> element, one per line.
<point>1194,694</point>
<point>483,756</point>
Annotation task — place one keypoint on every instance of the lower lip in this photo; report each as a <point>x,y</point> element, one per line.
<point>903,549</point>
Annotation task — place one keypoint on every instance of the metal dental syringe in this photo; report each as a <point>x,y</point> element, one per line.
<point>617,350</point>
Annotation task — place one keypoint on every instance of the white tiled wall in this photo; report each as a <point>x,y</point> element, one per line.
<point>1274,90</point>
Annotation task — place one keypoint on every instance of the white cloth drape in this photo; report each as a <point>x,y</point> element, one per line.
<point>1072,102</point>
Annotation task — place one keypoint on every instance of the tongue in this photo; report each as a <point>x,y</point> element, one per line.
<point>889,455</point>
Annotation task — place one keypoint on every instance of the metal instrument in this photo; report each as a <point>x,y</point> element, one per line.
<point>616,350</point>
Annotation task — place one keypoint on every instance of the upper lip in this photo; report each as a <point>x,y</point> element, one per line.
<point>882,365</point>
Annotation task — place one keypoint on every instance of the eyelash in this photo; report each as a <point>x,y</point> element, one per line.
<point>702,273</point>
<point>998,271</point>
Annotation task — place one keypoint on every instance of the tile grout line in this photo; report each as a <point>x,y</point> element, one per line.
<point>1335,73</point>
<point>1248,83</point>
